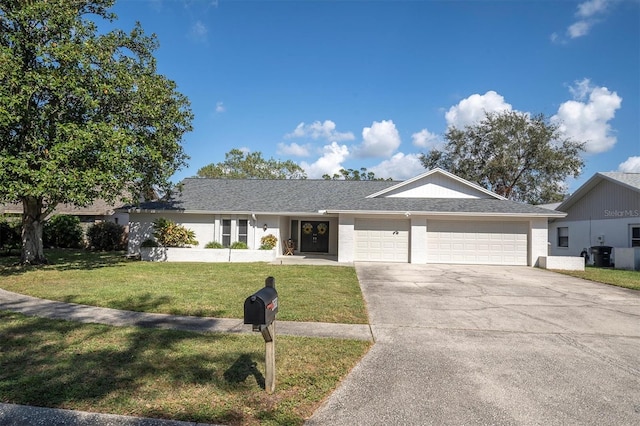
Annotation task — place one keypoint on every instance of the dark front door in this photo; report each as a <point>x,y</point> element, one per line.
<point>314,236</point>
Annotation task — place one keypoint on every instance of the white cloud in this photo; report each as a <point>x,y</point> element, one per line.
<point>198,31</point>
<point>220,108</point>
<point>320,130</point>
<point>379,140</point>
<point>592,7</point>
<point>399,167</point>
<point>293,149</point>
<point>329,163</point>
<point>579,29</point>
<point>425,139</point>
<point>589,13</point>
<point>474,108</point>
<point>586,118</point>
<point>631,165</point>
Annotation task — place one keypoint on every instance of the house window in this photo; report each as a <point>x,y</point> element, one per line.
<point>226,232</point>
<point>635,236</point>
<point>242,230</point>
<point>563,236</point>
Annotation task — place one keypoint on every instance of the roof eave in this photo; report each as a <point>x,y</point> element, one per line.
<point>551,214</point>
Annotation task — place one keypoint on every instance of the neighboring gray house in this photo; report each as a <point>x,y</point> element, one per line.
<point>433,218</point>
<point>604,211</point>
<point>98,211</point>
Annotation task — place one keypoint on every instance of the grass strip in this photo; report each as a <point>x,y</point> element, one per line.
<point>209,378</point>
<point>617,277</point>
<point>305,292</point>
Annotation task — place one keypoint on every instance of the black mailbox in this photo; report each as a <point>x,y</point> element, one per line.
<point>261,307</point>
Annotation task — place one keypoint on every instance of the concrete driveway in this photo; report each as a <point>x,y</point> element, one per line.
<point>491,345</point>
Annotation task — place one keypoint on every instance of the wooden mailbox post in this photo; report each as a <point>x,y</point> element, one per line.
<point>260,311</point>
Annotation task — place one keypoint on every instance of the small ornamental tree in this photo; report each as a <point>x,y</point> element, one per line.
<point>170,234</point>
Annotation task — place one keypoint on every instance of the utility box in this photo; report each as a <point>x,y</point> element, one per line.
<point>261,307</point>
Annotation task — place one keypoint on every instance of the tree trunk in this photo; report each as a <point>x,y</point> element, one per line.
<point>32,250</point>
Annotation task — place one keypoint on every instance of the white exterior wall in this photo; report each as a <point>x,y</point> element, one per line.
<point>566,263</point>
<point>418,240</point>
<point>207,227</point>
<point>346,238</point>
<point>538,240</point>
<point>585,233</point>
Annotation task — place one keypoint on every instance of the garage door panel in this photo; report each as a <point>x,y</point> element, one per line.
<point>501,243</point>
<point>381,240</point>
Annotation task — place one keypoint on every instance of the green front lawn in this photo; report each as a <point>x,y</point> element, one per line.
<point>617,277</point>
<point>305,293</point>
<point>208,378</point>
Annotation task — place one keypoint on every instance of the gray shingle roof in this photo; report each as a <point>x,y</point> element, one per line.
<point>629,179</point>
<point>311,196</point>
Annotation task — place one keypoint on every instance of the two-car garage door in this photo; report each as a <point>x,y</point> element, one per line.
<point>487,243</point>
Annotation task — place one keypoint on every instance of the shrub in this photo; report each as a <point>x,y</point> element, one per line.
<point>170,234</point>
<point>106,236</point>
<point>239,245</point>
<point>10,234</point>
<point>213,245</point>
<point>149,243</point>
<point>268,242</point>
<point>63,231</point>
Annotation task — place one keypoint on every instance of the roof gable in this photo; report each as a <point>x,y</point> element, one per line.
<point>629,181</point>
<point>436,183</point>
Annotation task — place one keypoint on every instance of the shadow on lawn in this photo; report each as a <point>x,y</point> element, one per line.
<point>65,260</point>
<point>146,302</point>
<point>101,368</point>
<point>244,367</point>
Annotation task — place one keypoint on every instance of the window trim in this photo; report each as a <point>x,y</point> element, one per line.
<point>225,233</point>
<point>563,237</point>
<point>633,239</point>
<point>243,237</point>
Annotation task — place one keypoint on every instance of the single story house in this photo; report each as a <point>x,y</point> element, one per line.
<point>604,211</point>
<point>435,217</point>
<point>98,211</point>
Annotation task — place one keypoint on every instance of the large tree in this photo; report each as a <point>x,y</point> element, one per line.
<point>520,157</point>
<point>83,113</point>
<point>239,164</point>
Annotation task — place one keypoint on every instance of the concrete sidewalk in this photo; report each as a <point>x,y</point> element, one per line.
<point>22,415</point>
<point>33,306</point>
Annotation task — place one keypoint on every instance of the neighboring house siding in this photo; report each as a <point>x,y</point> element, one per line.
<point>587,233</point>
<point>604,215</point>
<point>607,201</point>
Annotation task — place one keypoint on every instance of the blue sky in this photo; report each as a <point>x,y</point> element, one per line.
<point>333,84</point>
